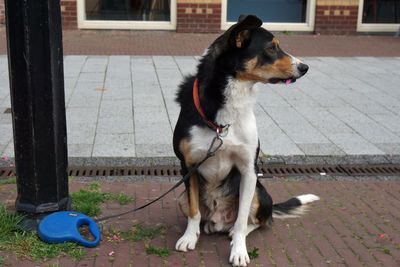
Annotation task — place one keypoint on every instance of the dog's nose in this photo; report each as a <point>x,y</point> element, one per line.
<point>303,68</point>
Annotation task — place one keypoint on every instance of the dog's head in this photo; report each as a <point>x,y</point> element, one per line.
<point>251,53</point>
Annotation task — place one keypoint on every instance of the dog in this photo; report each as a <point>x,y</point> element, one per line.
<point>217,104</point>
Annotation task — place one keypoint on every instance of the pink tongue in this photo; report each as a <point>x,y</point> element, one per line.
<point>288,81</point>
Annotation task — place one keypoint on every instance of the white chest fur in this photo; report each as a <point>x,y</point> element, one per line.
<point>240,143</point>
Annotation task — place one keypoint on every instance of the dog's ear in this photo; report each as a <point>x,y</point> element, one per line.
<point>237,36</point>
<point>240,33</point>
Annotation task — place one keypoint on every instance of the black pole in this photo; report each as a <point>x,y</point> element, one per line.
<point>35,60</point>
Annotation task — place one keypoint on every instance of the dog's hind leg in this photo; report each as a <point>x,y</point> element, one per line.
<point>250,228</point>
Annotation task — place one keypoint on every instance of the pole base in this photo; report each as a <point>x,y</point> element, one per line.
<point>34,214</point>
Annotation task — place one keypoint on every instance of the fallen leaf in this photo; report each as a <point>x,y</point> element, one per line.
<point>101,89</point>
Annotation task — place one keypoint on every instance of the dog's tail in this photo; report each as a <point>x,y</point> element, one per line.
<point>294,207</point>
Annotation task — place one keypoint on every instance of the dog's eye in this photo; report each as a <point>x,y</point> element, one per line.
<point>272,49</point>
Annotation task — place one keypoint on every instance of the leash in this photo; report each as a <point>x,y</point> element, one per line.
<point>217,140</point>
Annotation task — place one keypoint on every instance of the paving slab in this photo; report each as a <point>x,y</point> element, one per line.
<point>342,107</point>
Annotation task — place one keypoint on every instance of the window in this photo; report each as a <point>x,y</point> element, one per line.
<point>381,11</point>
<point>126,14</point>
<point>378,15</point>
<point>281,15</point>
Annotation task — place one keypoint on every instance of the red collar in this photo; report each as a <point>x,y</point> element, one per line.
<point>196,99</point>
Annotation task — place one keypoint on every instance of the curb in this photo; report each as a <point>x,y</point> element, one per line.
<point>276,159</point>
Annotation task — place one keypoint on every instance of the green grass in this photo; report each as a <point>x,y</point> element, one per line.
<point>10,180</point>
<point>253,253</point>
<point>8,223</point>
<point>140,232</point>
<point>88,200</point>
<point>27,244</point>
<point>94,186</point>
<point>160,252</point>
<point>386,251</point>
<point>121,198</point>
<point>2,260</point>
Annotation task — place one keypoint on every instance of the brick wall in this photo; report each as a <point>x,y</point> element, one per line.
<point>68,14</point>
<point>200,16</point>
<point>336,16</point>
<point>2,17</point>
<point>332,16</point>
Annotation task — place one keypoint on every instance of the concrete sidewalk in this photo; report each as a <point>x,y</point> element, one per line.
<point>123,106</point>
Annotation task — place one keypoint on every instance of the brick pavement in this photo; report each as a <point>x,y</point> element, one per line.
<point>107,42</point>
<point>356,223</point>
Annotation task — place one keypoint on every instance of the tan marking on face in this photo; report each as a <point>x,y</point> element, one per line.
<point>281,68</point>
<point>241,37</point>
<point>275,41</point>
<point>238,41</point>
<point>251,64</point>
<point>248,74</point>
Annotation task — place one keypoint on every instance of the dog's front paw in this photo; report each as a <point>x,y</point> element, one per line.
<point>239,256</point>
<point>187,241</point>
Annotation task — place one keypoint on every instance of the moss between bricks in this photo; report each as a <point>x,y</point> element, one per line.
<point>88,200</point>
<point>10,180</point>
<point>139,233</point>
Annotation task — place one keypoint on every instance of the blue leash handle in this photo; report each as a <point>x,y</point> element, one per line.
<point>63,226</point>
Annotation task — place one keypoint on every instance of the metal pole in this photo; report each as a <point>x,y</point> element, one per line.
<point>35,60</point>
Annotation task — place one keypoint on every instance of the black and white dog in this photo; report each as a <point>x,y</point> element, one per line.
<point>224,193</point>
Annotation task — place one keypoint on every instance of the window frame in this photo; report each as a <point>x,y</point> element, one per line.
<point>307,26</point>
<point>84,23</point>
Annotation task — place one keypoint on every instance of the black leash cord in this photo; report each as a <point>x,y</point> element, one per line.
<point>210,153</point>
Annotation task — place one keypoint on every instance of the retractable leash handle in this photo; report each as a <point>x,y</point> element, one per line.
<point>63,226</point>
